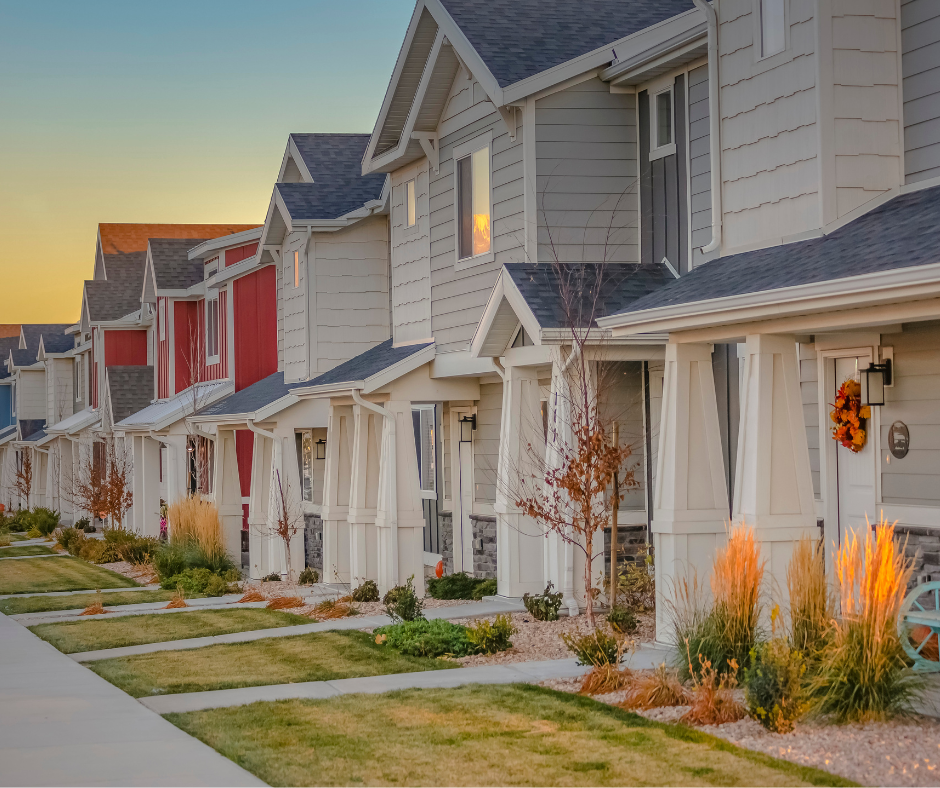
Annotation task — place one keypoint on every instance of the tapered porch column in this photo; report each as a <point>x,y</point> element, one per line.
<point>399,518</point>
<point>228,494</point>
<point>773,489</point>
<point>363,496</point>
<point>262,549</point>
<point>690,504</point>
<point>148,498</point>
<point>520,564</point>
<point>336,489</point>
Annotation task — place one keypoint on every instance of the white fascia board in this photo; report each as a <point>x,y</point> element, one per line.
<point>239,269</point>
<point>392,84</point>
<point>626,48</point>
<point>197,290</point>
<point>635,60</point>
<point>298,161</point>
<point>403,367</point>
<point>148,271</point>
<point>899,284</point>
<point>327,390</point>
<point>461,364</point>
<point>562,336</point>
<point>73,329</point>
<point>521,307</point>
<point>172,418</point>
<point>225,241</point>
<point>488,316</point>
<point>266,228</point>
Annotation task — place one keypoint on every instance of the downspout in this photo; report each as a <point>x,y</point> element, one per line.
<point>714,120</point>
<point>277,469</point>
<point>391,459</point>
<point>569,598</point>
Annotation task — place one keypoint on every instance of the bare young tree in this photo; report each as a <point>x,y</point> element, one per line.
<point>290,520</point>
<point>102,485</point>
<point>119,472</point>
<point>200,447</point>
<point>23,475</point>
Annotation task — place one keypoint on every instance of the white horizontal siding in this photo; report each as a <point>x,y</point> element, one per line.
<point>700,193</point>
<point>294,320</point>
<point>411,257</point>
<point>486,443</point>
<point>920,52</point>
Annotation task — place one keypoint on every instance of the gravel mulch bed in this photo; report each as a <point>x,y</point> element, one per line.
<point>142,573</point>
<point>899,753</point>
<point>540,640</point>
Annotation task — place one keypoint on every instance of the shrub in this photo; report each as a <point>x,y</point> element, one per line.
<point>34,533</point>
<point>367,592</point>
<point>812,606</point>
<point>169,560</point>
<point>636,587</point>
<point>622,619</point>
<point>136,549</point>
<point>458,586</point>
<point>713,701</point>
<point>606,678</point>
<point>423,638</point>
<point>862,674</point>
<point>82,524</point>
<point>402,603</point>
<point>45,520</point>
<point>486,588</point>
<point>200,580</point>
<point>544,606</point>
<point>70,540</point>
<point>308,576</point>
<point>490,638</point>
<point>274,577</point>
<point>659,688</point>
<point>21,522</point>
<point>773,685</point>
<point>597,648</point>
<point>195,527</point>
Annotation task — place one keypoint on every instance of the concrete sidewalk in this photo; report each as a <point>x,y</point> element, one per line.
<point>647,656</point>
<point>474,609</point>
<point>153,587</point>
<point>62,725</point>
<point>41,555</point>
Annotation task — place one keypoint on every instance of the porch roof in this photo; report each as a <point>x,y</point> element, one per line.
<point>7,434</point>
<point>75,423</point>
<point>332,198</point>
<point>261,399</point>
<point>899,234</point>
<point>35,437</point>
<point>162,414</point>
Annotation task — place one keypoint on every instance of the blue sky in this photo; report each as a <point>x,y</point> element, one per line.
<point>164,112</point>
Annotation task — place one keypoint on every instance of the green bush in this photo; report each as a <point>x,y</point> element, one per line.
<point>544,606</point>
<point>488,638</point>
<point>70,540</point>
<point>622,619</point>
<point>486,588</point>
<point>45,520</point>
<point>596,649</point>
<point>83,523</point>
<point>457,586</point>
<point>200,580</point>
<point>773,685</point>
<point>22,521</point>
<point>423,638</point>
<point>96,551</point>
<point>367,592</point>
<point>404,604</point>
<point>309,575</point>
<point>171,559</point>
<point>274,577</point>
<point>636,586</point>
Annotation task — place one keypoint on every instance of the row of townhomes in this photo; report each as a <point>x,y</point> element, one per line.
<point>752,187</point>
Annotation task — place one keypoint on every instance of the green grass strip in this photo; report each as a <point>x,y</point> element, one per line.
<point>40,575</point>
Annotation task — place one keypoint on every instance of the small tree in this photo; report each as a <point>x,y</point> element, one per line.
<point>102,485</point>
<point>289,520</point>
<point>23,477</point>
<point>118,480</point>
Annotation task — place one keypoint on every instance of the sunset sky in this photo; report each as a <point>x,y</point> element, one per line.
<point>164,112</point>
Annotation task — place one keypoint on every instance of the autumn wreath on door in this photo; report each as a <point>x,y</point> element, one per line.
<point>849,416</point>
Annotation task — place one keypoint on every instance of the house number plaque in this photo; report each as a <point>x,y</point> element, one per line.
<point>899,440</point>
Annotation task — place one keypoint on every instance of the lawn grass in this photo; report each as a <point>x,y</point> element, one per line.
<point>477,735</point>
<point>319,656</point>
<point>71,637</point>
<point>66,574</point>
<point>40,604</point>
<point>28,549</point>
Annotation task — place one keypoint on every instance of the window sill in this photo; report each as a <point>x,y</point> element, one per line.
<point>429,495</point>
<point>470,262</point>
<point>663,151</point>
<point>212,360</point>
<point>762,64</point>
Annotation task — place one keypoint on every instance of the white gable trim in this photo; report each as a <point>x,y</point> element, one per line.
<point>504,291</point>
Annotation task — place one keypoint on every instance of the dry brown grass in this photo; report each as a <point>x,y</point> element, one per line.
<point>178,600</point>
<point>737,574</point>
<point>812,603</point>
<point>655,689</point>
<point>253,595</point>
<point>96,608</point>
<point>330,609</point>
<point>285,602</point>
<point>194,520</point>
<point>713,701</point>
<point>606,678</point>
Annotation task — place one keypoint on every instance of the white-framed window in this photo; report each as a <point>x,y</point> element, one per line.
<point>79,380</point>
<point>425,427</point>
<point>473,191</point>
<point>411,204</point>
<point>662,122</point>
<point>212,329</point>
<point>161,318</point>
<point>773,27</point>
<point>296,269</point>
<point>305,463</point>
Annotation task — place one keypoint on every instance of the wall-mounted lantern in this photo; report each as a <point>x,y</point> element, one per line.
<point>321,449</point>
<point>874,380</point>
<point>467,425</point>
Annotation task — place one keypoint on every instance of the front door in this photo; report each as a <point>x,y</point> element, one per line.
<point>856,470</point>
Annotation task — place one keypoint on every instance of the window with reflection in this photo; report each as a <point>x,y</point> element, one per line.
<point>473,204</point>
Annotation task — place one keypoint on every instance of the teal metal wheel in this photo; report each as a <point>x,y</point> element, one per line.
<point>919,626</point>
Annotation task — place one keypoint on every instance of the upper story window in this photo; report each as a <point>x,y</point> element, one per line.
<point>662,124</point>
<point>411,205</point>
<point>212,329</point>
<point>296,269</point>
<point>773,27</point>
<point>473,199</point>
<point>212,267</point>
<point>424,420</point>
<point>79,383</point>
<point>161,318</point>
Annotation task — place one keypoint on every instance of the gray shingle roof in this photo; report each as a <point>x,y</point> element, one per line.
<point>899,234</point>
<point>23,358</point>
<point>6,345</point>
<point>595,290</point>
<point>130,389</point>
<point>36,436</point>
<point>367,364</point>
<point>32,332</point>
<point>30,427</point>
<point>519,38</point>
<point>58,343</point>
<point>329,156</point>
<point>171,264</point>
<point>330,199</point>
<point>251,398</point>
<point>119,294</point>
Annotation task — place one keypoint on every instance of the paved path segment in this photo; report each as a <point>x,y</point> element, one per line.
<point>473,610</point>
<point>41,555</point>
<point>60,724</point>
<point>646,656</point>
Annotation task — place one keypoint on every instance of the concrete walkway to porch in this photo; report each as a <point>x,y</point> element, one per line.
<point>41,555</point>
<point>473,610</point>
<point>646,656</point>
<point>62,725</point>
<point>153,587</point>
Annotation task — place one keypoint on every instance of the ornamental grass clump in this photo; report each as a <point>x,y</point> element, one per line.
<point>737,574</point>
<point>196,535</point>
<point>285,602</point>
<point>656,689</point>
<point>713,701</point>
<point>812,603</point>
<point>96,608</point>
<point>862,673</point>
<point>606,678</point>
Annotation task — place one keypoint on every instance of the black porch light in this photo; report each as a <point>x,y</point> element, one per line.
<point>321,449</point>
<point>467,425</point>
<point>874,380</point>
